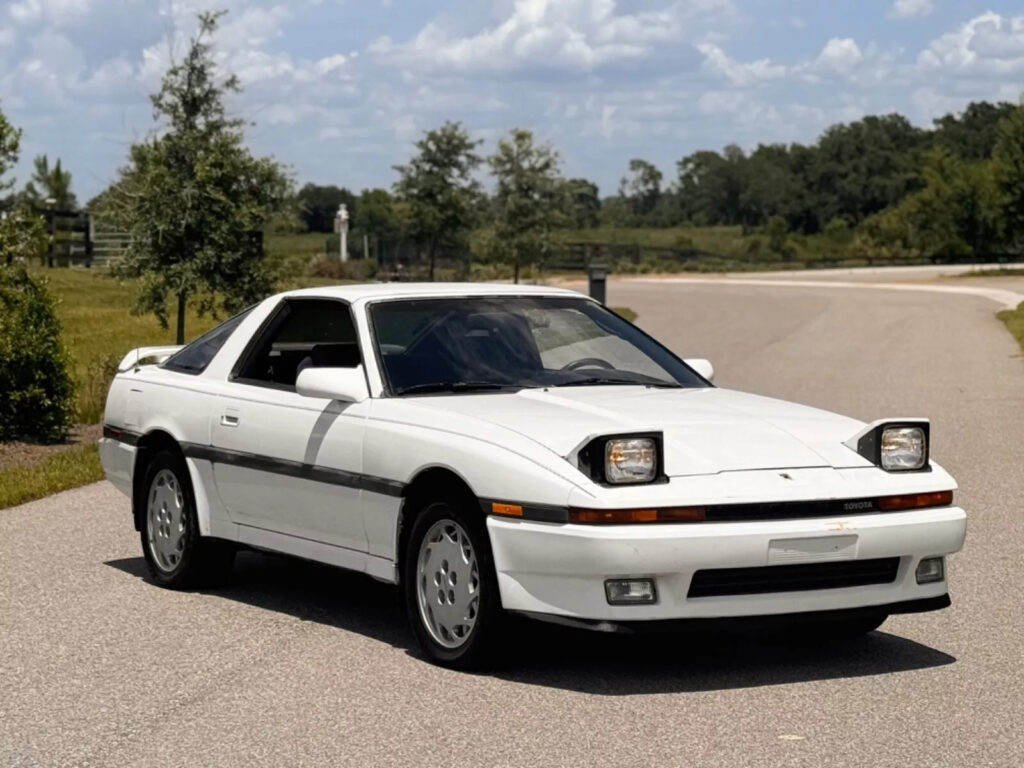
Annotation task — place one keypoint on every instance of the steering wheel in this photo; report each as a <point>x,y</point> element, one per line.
<point>588,362</point>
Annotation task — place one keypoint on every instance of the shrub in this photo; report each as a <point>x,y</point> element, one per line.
<point>353,269</point>
<point>36,391</point>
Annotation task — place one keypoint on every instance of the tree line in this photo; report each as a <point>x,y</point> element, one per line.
<point>879,183</point>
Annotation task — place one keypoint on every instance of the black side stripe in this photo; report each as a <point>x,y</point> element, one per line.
<point>125,436</point>
<point>298,469</point>
<point>314,472</point>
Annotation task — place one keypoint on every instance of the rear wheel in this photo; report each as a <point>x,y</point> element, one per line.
<point>449,586</point>
<point>177,556</point>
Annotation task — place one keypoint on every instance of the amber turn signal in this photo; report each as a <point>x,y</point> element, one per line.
<point>508,510</point>
<point>915,501</point>
<point>626,516</point>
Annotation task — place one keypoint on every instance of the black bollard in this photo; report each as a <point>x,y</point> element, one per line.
<point>597,282</point>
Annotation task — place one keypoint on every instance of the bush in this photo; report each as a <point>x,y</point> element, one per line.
<point>36,390</point>
<point>359,270</point>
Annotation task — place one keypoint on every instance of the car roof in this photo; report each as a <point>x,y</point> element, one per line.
<point>370,291</point>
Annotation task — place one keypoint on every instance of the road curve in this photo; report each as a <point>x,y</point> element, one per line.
<point>295,664</point>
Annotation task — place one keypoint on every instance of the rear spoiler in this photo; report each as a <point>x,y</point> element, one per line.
<point>145,356</point>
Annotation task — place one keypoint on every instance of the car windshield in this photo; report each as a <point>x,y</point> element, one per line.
<point>493,344</point>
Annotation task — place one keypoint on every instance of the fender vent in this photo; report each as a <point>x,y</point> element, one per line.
<point>719,582</point>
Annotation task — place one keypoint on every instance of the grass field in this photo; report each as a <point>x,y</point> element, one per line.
<point>1014,319</point>
<point>999,272</point>
<point>59,472</point>
<point>730,242</point>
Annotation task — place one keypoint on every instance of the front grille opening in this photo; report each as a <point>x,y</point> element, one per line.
<point>720,582</point>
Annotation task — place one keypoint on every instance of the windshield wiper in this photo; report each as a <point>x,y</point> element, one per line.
<point>596,380</point>
<point>454,386</point>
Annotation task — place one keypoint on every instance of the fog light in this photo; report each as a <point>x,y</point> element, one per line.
<point>630,591</point>
<point>930,570</point>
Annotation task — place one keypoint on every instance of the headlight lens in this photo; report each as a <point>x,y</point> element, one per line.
<point>630,460</point>
<point>903,448</point>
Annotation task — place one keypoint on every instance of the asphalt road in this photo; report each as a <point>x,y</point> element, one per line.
<point>300,665</point>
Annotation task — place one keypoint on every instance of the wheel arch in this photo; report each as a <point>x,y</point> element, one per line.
<point>429,484</point>
<point>149,445</point>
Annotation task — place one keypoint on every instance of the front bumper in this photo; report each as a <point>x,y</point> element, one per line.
<point>560,570</point>
<point>118,460</point>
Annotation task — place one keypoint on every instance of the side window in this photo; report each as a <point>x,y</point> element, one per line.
<point>200,353</point>
<point>304,332</point>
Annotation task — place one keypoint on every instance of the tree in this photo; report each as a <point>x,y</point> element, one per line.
<point>318,205</point>
<point>864,167</point>
<point>36,390</point>
<point>972,134</point>
<point>439,186</point>
<point>711,185</point>
<point>194,199</point>
<point>642,187</point>
<point>50,187</point>
<point>581,203</point>
<point>10,142</point>
<point>1008,177</point>
<point>528,184</point>
<point>22,235</point>
<point>376,213</point>
<point>954,216</point>
<point>771,187</point>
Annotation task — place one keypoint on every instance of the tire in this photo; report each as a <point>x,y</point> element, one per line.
<point>454,609</point>
<point>176,555</point>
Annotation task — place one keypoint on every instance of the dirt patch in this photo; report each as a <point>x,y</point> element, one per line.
<point>21,454</point>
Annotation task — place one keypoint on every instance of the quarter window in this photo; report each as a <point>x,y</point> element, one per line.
<point>199,354</point>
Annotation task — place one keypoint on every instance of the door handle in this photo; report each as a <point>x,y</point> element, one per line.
<point>229,420</point>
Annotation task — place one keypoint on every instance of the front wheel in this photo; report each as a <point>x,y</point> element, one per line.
<point>177,556</point>
<point>450,590</point>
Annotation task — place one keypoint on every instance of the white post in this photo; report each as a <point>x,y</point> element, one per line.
<point>341,227</point>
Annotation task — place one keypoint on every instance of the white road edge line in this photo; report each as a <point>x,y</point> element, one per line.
<point>1008,299</point>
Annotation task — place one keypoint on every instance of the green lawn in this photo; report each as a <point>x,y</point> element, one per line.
<point>59,472</point>
<point>999,272</point>
<point>1014,319</point>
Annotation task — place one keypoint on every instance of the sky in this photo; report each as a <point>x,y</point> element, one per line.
<point>339,90</point>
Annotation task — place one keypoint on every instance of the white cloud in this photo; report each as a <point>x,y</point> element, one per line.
<point>574,35</point>
<point>906,9</point>
<point>840,55</point>
<point>988,45</point>
<point>55,12</point>
<point>738,73</point>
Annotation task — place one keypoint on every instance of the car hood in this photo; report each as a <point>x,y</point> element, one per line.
<point>706,430</point>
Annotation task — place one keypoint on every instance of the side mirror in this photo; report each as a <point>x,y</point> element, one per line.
<point>345,384</point>
<point>703,367</point>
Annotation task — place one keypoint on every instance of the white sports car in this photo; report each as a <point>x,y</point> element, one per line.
<point>499,449</point>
